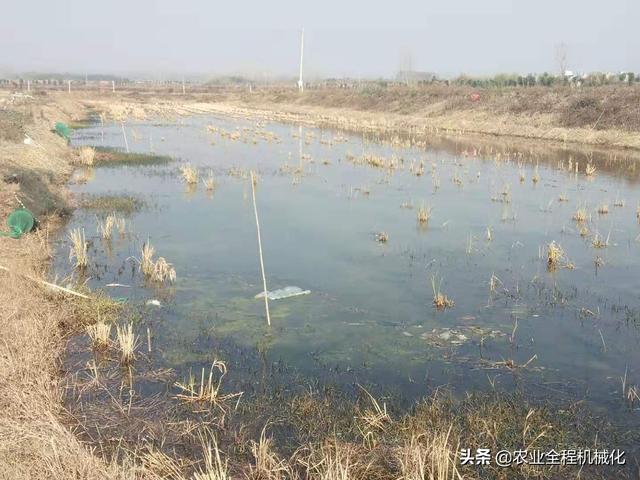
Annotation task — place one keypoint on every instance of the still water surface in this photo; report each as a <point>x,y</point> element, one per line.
<point>369,317</point>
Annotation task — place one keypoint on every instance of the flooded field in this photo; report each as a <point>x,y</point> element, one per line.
<point>471,268</point>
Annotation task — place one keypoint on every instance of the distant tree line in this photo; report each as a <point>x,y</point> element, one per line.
<point>547,80</point>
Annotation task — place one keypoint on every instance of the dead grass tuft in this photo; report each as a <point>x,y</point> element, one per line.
<point>189,174</point>
<point>556,257</point>
<point>86,156</point>
<point>78,252</point>
<point>429,456</point>
<point>424,214</point>
<point>100,334</point>
<point>127,342</point>
<point>440,300</point>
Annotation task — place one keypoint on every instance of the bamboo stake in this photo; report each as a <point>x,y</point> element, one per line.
<point>264,278</point>
<point>51,285</point>
<point>124,134</point>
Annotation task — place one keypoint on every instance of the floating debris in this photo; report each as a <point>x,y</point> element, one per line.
<point>445,337</point>
<point>283,293</point>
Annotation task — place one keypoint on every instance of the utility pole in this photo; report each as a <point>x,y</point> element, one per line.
<point>300,81</point>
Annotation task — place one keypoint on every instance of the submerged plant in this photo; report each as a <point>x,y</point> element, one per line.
<point>603,209</point>
<point>78,251</point>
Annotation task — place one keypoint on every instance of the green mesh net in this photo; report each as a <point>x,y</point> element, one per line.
<point>20,221</point>
<point>63,130</point>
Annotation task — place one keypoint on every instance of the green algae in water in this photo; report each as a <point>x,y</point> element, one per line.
<point>113,157</point>
<point>125,204</point>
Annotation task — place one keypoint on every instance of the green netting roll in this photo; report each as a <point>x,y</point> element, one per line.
<point>20,221</point>
<point>63,130</point>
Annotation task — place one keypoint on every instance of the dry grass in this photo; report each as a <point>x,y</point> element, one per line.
<point>163,272</point>
<point>423,214</point>
<point>189,174</point>
<point>382,237</point>
<point>78,253</point>
<point>536,175</point>
<point>555,254</point>
<point>209,182</point>
<point>599,242</point>
<point>556,257</point>
<point>100,334</point>
<point>429,456</point>
<point>109,223</point>
<point>208,390</point>
<point>147,265</point>
<point>127,342</point>
<point>603,209</point>
<point>158,271</point>
<point>333,460</point>
<point>372,419</point>
<point>214,467</point>
<point>268,465</point>
<point>105,227</point>
<point>580,215</point>
<point>440,300</point>
<point>86,156</point>
<point>590,170</point>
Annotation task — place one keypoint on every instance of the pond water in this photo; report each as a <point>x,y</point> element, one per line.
<point>569,332</point>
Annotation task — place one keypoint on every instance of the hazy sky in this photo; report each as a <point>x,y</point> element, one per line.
<point>341,38</point>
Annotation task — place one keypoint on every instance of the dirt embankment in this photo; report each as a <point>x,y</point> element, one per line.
<point>34,443</point>
<point>605,116</point>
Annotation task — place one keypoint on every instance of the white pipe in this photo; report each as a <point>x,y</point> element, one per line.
<point>300,81</point>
